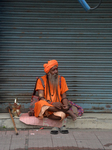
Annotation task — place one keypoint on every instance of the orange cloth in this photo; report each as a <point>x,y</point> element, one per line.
<point>49,65</point>
<point>39,86</point>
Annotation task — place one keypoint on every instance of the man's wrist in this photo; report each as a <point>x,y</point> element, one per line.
<point>64,99</point>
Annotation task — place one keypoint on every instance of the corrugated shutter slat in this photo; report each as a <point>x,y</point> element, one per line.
<point>32,32</point>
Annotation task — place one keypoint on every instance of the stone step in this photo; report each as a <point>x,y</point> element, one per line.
<point>87,121</point>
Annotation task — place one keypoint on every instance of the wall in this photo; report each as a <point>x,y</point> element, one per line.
<point>33,32</point>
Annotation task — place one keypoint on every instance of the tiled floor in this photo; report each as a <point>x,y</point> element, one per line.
<point>43,140</point>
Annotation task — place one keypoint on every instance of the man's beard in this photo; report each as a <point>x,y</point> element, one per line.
<point>53,80</point>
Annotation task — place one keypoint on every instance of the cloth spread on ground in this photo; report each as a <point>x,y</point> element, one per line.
<point>32,120</point>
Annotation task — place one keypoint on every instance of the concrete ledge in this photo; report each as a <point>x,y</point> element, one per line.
<point>92,121</point>
<point>87,121</point>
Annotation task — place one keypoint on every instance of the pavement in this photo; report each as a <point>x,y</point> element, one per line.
<point>92,131</point>
<point>41,139</point>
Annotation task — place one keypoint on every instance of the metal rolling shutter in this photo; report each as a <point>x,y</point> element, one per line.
<point>32,32</point>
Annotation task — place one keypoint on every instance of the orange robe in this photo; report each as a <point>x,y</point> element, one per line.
<point>41,103</point>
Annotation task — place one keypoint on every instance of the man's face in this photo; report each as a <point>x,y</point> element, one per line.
<point>54,70</point>
<point>53,75</point>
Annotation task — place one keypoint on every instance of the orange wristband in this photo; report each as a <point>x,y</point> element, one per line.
<point>51,103</point>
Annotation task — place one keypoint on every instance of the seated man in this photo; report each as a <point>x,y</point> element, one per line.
<point>53,102</point>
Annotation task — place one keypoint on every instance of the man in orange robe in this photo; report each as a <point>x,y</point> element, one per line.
<point>53,102</point>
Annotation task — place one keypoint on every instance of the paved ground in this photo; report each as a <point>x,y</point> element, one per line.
<point>42,140</point>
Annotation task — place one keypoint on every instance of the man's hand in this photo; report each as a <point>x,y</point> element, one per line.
<point>58,105</point>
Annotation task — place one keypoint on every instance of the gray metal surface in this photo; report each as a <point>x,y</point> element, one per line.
<point>33,32</point>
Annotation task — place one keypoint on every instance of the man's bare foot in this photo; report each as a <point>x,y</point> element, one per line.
<point>74,117</point>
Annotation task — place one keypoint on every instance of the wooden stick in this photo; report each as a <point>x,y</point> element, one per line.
<point>13,121</point>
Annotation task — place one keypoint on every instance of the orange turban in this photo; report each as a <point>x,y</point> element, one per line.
<point>49,65</point>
